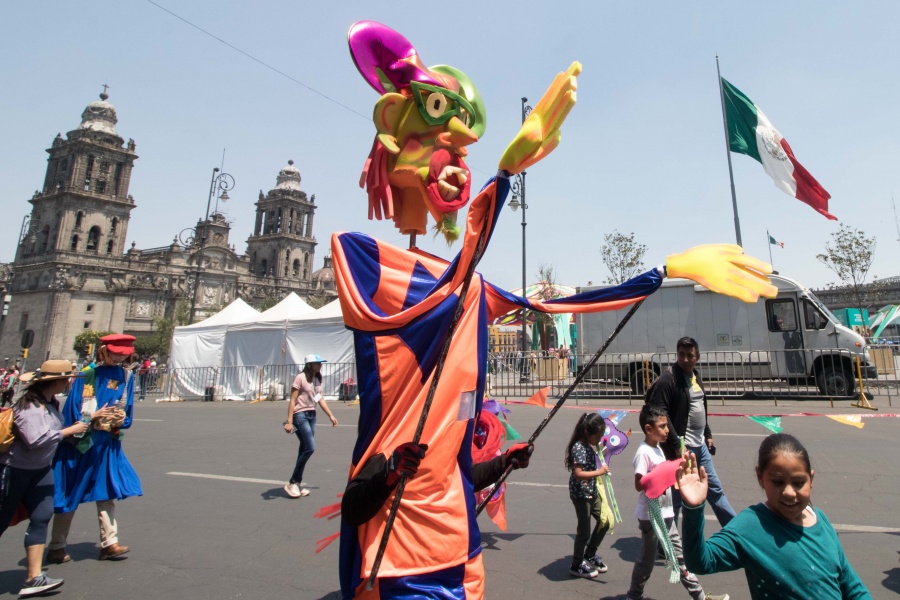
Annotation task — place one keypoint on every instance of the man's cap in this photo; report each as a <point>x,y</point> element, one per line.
<point>119,343</point>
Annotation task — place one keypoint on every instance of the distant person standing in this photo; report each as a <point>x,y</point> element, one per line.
<point>8,385</point>
<point>306,394</point>
<point>679,391</point>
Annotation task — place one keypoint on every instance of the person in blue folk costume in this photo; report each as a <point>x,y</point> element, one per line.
<point>95,468</point>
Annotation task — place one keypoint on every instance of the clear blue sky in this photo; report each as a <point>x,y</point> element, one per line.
<point>643,150</point>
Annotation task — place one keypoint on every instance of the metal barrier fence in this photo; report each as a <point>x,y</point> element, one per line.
<point>251,382</point>
<point>772,374</point>
<point>778,374</point>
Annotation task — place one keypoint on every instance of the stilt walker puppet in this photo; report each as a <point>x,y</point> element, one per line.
<point>401,304</point>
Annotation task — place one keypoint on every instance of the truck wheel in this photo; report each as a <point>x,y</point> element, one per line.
<point>638,379</point>
<point>835,380</point>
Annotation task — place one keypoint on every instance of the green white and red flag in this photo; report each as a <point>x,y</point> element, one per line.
<point>775,242</point>
<point>751,133</point>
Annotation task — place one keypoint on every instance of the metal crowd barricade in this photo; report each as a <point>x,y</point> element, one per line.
<point>254,382</point>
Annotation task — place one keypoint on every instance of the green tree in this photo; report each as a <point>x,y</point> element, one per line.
<point>317,299</point>
<point>267,303</point>
<point>159,340</point>
<point>86,338</point>
<point>622,256</point>
<point>849,255</point>
<point>547,290</point>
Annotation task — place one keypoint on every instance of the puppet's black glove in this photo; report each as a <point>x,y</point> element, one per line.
<point>404,461</point>
<point>519,455</point>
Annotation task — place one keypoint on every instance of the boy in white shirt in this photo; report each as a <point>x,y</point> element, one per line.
<point>655,425</point>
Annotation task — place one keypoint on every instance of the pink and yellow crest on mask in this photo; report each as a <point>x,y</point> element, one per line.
<point>425,118</point>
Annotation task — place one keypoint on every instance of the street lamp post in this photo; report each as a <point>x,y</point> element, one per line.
<point>219,181</point>
<point>517,187</point>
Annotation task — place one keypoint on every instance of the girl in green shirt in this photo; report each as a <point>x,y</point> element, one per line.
<point>787,548</point>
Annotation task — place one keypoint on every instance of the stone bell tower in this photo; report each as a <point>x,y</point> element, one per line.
<point>282,246</point>
<point>84,205</point>
<point>74,238</point>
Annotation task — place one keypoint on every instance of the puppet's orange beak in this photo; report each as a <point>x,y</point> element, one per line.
<point>456,136</point>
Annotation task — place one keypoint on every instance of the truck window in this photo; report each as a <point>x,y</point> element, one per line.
<point>814,319</point>
<point>781,315</point>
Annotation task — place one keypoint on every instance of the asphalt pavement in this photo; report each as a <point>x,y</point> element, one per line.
<point>214,522</point>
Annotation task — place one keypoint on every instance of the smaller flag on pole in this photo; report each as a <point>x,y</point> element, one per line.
<point>539,398</point>
<point>775,242</point>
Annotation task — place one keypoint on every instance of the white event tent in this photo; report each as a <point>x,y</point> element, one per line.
<point>261,350</point>
<point>200,344</point>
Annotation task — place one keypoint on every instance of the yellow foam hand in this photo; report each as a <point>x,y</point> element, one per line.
<point>724,268</point>
<point>540,134</point>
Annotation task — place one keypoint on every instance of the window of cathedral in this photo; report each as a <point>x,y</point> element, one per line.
<point>101,187</point>
<point>79,219</point>
<point>89,308</point>
<point>63,165</point>
<point>113,225</point>
<point>263,268</point>
<point>93,239</point>
<point>87,325</point>
<point>109,247</point>
<point>74,245</point>
<point>118,178</point>
<point>296,268</point>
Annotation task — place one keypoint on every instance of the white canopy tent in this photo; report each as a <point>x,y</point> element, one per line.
<point>262,340</point>
<point>200,344</point>
<point>261,352</point>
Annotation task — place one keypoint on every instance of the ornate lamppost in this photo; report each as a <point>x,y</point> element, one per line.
<point>29,231</point>
<point>218,187</point>
<point>517,187</point>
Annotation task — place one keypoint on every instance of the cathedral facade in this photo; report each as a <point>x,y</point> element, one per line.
<point>72,272</point>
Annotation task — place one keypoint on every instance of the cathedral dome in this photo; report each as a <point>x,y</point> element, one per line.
<point>288,178</point>
<point>323,279</point>
<point>100,116</point>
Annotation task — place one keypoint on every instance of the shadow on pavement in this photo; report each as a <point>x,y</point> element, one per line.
<point>629,548</point>
<point>489,539</point>
<point>558,570</point>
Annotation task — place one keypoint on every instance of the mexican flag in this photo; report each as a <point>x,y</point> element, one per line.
<point>751,133</point>
<point>775,242</point>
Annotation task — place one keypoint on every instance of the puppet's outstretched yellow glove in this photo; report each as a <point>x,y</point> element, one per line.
<point>723,268</point>
<point>540,134</point>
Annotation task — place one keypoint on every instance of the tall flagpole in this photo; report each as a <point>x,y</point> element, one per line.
<point>737,219</point>
<point>769,244</point>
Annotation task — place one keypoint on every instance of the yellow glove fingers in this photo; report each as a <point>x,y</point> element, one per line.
<point>754,264</point>
<point>548,147</point>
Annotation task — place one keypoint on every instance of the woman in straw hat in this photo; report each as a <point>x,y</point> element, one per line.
<point>306,393</point>
<point>25,474</point>
<point>97,470</point>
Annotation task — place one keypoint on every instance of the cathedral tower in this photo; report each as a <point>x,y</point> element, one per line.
<point>282,246</point>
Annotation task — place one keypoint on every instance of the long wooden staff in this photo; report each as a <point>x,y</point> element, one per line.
<point>439,368</point>
<point>581,376</point>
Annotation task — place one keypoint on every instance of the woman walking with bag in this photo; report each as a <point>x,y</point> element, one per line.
<point>306,393</point>
<point>25,474</point>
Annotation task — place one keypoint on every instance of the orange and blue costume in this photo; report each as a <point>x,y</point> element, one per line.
<point>399,303</point>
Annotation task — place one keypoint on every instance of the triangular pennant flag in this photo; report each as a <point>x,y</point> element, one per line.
<point>540,397</point>
<point>771,423</point>
<point>615,416</point>
<point>496,510</point>
<point>852,420</point>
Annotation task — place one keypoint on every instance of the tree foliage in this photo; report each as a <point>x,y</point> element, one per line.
<point>622,256</point>
<point>267,303</point>
<point>547,290</point>
<point>317,299</point>
<point>158,341</point>
<point>86,338</point>
<point>849,255</point>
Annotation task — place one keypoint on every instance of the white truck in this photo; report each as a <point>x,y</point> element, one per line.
<point>792,337</point>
